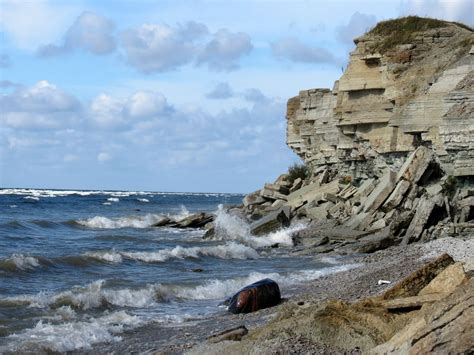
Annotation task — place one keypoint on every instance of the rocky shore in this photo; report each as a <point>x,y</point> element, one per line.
<point>387,186</point>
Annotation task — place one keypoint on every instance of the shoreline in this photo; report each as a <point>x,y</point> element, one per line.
<point>391,264</point>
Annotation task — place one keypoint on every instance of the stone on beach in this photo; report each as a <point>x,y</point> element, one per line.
<point>261,294</point>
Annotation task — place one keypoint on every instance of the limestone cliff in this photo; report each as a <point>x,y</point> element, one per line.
<point>409,82</point>
<point>390,148</point>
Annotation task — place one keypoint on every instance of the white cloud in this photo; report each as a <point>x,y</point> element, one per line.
<point>223,52</point>
<point>294,50</point>
<point>103,157</point>
<point>358,24</point>
<point>110,112</point>
<point>42,105</point>
<point>451,10</point>
<point>107,111</point>
<point>33,22</point>
<point>157,48</point>
<point>89,32</point>
<point>146,104</point>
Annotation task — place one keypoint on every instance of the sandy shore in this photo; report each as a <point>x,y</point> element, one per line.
<point>391,264</point>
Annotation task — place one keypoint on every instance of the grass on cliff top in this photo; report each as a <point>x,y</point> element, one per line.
<point>402,30</point>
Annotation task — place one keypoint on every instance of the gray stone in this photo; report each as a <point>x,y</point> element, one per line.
<point>396,196</point>
<point>416,164</point>
<point>271,222</point>
<point>297,184</point>
<point>310,193</point>
<point>434,190</point>
<point>381,192</point>
<point>423,212</point>
<point>378,224</point>
<point>253,198</point>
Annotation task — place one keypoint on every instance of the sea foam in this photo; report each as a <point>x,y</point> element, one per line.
<point>232,227</point>
<point>73,335</point>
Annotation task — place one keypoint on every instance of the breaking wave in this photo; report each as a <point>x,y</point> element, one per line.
<point>73,335</point>
<point>99,222</point>
<point>19,262</point>
<point>96,295</point>
<point>146,221</point>
<point>232,227</point>
<point>230,250</point>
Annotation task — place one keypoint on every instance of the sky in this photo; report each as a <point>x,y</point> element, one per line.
<point>169,95</point>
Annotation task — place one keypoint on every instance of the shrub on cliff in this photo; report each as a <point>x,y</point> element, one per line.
<point>297,171</point>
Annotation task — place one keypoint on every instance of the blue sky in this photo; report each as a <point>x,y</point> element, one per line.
<point>168,95</point>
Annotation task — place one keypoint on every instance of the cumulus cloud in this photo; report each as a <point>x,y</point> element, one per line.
<point>159,47</point>
<point>30,23</point>
<point>358,24</point>
<point>221,91</point>
<point>110,112</point>
<point>42,105</point>
<point>451,10</point>
<point>294,50</point>
<point>90,32</point>
<point>223,52</point>
<point>5,61</point>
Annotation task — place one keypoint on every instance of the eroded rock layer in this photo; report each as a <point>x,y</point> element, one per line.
<point>389,101</point>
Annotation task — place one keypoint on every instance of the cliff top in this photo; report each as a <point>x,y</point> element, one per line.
<point>405,29</point>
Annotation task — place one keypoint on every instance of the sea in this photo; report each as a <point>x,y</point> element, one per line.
<point>78,268</point>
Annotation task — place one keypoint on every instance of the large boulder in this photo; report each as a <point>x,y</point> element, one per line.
<point>261,294</point>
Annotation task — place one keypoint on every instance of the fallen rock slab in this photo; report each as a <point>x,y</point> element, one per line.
<point>415,282</point>
<point>197,220</point>
<point>261,294</point>
<point>271,222</point>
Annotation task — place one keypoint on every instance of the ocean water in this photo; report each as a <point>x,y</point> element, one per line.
<point>81,267</point>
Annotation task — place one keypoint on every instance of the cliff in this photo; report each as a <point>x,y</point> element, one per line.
<point>389,150</point>
<point>409,82</point>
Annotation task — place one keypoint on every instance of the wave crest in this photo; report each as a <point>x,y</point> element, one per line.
<point>19,262</point>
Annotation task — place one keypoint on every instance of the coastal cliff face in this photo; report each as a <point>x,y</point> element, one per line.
<point>402,88</point>
<point>389,149</point>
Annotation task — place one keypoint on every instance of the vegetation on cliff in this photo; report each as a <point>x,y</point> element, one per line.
<point>403,30</point>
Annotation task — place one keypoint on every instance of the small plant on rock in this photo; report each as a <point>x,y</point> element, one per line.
<point>297,171</point>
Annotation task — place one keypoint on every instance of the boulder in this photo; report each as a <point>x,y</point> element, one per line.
<point>271,222</point>
<point>261,294</point>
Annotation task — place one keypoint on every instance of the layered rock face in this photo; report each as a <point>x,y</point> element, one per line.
<point>388,102</point>
<point>390,148</point>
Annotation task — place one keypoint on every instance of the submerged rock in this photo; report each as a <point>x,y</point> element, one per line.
<point>261,294</point>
